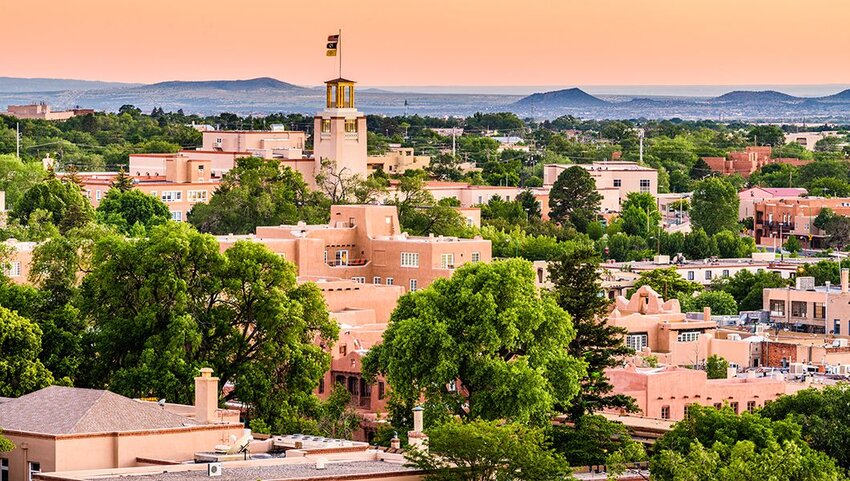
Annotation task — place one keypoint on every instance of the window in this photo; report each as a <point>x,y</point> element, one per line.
<point>687,411</point>
<point>14,269</point>
<point>836,327</point>
<point>218,140</point>
<point>447,261</point>
<point>636,341</point>
<point>725,272</point>
<point>171,196</point>
<point>176,215</point>
<point>34,468</point>
<point>413,285</point>
<point>777,307</point>
<point>4,469</point>
<point>382,390</point>
<point>321,385</point>
<point>452,387</point>
<point>409,259</point>
<point>325,256</point>
<point>341,258</point>
<point>389,281</point>
<point>618,182</point>
<point>326,126</point>
<point>359,279</point>
<point>688,336</point>
<point>197,195</point>
<point>97,195</point>
<point>644,185</point>
<point>734,406</point>
<point>350,126</point>
<point>798,308</point>
<point>708,275</point>
<point>388,219</point>
<point>665,412</point>
<point>690,275</point>
<point>820,311</point>
<point>376,280</point>
<point>718,405</point>
<point>751,406</point>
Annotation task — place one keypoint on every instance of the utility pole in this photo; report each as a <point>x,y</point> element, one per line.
<point>640,138</point>
<point>18,139</point>
<point>454,143</point>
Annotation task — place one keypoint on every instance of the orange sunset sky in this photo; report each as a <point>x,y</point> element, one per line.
<point>432,42</point>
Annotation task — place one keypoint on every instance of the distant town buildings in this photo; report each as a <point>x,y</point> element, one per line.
<point>748,161</point>
<point>614,180</point>
<point>397,160</point>
<point>42,111</point>
<point>748,198</point>
<point>809,139</point>
<point>777,219</point>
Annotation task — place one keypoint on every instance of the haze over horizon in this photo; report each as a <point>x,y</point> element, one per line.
<point>473,43</point>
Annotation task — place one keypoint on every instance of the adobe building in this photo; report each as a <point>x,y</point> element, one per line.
<point>397,160</point>
<point>42,111</point>
<point>809,139</point>
<point>810,308</point>
<point>64,429</point>
<point>750,197</point>
<point>777,219</point>
<point>748,161</point>
<point>614,181</point>
<point>17,266</point>
<point>340,130</point>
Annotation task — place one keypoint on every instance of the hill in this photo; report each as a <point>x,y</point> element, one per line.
<point>20,85</point>
<point>843,96</point>
<point>749,96</point>
<point>566,98</point>
<point>261,83</point>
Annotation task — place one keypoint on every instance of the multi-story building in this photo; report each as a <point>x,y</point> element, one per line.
<point>809,308</point>
<point>340,130</point>
<point>750,197</point>
<point>259,143</point>
<point>398,160</point>
<point>181,184</point>
<point>809,139</point>
<point>17,266</point>
<point>42,111</point>
<point>614,180</point>
<point>777,219</point>
<point>748,161</point>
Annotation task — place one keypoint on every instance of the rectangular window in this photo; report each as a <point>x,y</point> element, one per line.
<point>382,390</point>
<point>413,285</point>
<point>476,257</point>
<point>97,195</point>
<point>171,196</point>
<point>734,406</point>
<point>33,468</point>
<point>326,126</point>
<point>665,412</point>
<point>708,275</point>
<point>197,195</point>
<point>14,269</point>
<point>350,126</point>
<point>389,281</point>
<point>644,185</point>
<point>688,336</point>
<point>690,275</point>
<point>751,406</point>
<point>777,307</point>
<point>636,341</point>
<point>725,272</point>
<point>341,258</point>
<point>176,215</point>
<point>718,405</point>
<point>618,182</point>
<point>798,308</point>
<point>359,279</point>
<point>409,259</point>
<point>321,385</point>
<point>447,261</point>
<point>687,411</point>
<point>4,469</point>
<point>836,327</point>
<point>376,280</point>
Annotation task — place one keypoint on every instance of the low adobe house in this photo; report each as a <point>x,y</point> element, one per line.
<point>65,429</point>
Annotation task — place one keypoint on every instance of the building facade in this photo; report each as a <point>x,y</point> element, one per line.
<point>614,180</point>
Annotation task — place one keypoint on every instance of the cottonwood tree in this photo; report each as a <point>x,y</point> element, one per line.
<point>64,201</point>
<point>163,306</point>
<point>714,206</point>
<point>338,183</point>
<point>490,333</point>
<point>21,371</point>
<point>124,209</point>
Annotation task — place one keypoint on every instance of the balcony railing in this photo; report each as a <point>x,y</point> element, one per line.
<point>348,262</point>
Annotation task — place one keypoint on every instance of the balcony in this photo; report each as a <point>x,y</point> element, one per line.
<point>777,226</point>
<point>348,262</point>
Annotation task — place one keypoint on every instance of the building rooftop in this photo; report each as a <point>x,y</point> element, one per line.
<point>61,410</point>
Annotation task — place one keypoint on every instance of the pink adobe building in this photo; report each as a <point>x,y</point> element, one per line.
<point>810,308</point>
<point>750,197</point>
<point>340,130</point>
<point>42,111</point>
<point>776,219</point>
<point>181,184</point>
<point>614,181</point>
<point>365,243</point>
<point>17,266</point>
<point>748,161</point>
<point>666,392</point>
<point>63,428</point>
<point>658,328</point>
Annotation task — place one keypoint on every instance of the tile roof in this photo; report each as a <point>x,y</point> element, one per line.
<point>67,410</point>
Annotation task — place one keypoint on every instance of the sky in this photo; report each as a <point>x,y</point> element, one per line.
<point>432,42</point>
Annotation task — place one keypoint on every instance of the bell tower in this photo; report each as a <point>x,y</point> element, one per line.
<point>339,131</point>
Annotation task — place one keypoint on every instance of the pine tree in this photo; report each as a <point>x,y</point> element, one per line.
<point>574,199</point>
<point>72,176</point>
<point>122,182</point>
<point>577,288</point>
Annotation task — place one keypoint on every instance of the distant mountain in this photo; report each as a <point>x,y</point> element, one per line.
<point>262,83</point>
<point>21,85</point>
<point>567,98</point>
<point>749,96</point>
<point>843,97</point>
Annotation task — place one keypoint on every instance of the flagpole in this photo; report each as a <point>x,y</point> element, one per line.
<point>339,47</point>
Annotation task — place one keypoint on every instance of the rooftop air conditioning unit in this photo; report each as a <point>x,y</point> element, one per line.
<point>805,283</point>
<point>214,469</point>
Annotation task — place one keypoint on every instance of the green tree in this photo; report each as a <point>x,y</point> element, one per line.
<point>5,444</point>
<point>337,419</point>
<point>21,372</point>
<point>716,444</point>
<point>716,367</point>
<point>823,415</point>
<point>640,214</point>
<point>122,182</point>
<point>721,303</point>
<point>699,245</point>
<point>166,305</point>
<point>574,199</point>
<point>766,135</point>
<point>529,204</point>
<point>16,177</point>
<point>733,245</point>
<point>489,328</point>
<point>258,192</point>
<point>591,440</point>
<point>63,200</point>
<point>668,283</point>
<point>577,289</point>
<point>792,245</point>
<point>747,288</point>
<point>487,450</point>
<point>829,187</point>
<point>125,209</point>
<point>714,206</point>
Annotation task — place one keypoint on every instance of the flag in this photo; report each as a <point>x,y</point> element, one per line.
<point>333,42</point>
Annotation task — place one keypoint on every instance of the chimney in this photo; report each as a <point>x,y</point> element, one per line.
<point>416,438</point>
<point>395,442</point>
<point>706,313</point>
<point>418,420</point>
<point>206,396</point>
<point>845,273</point>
